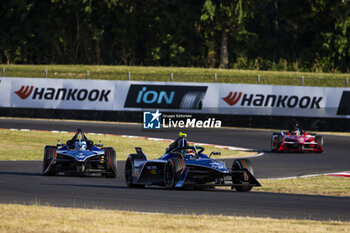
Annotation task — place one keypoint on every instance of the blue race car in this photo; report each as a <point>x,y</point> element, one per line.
<point>183,165</point>
<point>80,156</point>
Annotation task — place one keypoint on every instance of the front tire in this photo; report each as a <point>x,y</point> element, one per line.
<point>319,141</point>
<point>129,167</point>
<point>274,142</point>
<point>172,172</point>
<point>280,142</point>
<point>243,178</point>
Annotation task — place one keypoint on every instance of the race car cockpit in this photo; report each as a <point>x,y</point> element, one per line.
<point>80,145</point>
<point>79,142</point>
<point>296,130</point>
<point>181,145</point>
<point>181,142</point>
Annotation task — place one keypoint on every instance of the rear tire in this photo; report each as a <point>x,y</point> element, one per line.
<point>276,141</point>
<point>240,165</point>
<point>280,141</point>
<point>172,172</point>
<point>111,160</point>
<point>50,155</point>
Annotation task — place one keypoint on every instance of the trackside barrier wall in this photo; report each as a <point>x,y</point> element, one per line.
<point>235,104</point>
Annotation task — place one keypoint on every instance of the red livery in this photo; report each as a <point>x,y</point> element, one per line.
<point>296,140</point>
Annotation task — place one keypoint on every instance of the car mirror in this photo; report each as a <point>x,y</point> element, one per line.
<point>99,144</point>
<point>59,143</point>
<point>214,153</point>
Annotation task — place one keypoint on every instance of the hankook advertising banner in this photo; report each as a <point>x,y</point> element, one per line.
<point>215,98</point>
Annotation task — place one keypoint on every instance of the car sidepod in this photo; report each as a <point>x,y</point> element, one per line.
<point>204,171</point>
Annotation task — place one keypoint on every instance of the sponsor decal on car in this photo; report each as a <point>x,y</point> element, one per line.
<point>216,165</point>
<point>153,170</point>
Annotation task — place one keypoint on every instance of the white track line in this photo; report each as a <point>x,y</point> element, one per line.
<point>312,175</point>
<point>344,174</point>
<point>164,140</point>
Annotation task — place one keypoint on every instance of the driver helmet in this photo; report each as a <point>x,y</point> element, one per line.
<point>80,145</point>
<point>190,152</point>
<point>296,132</point>
<point>83,145</point>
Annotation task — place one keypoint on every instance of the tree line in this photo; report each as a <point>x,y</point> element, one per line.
<point>298,35</point>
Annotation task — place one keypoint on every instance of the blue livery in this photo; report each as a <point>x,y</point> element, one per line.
<point>183,165</point>
<point>80,156</point>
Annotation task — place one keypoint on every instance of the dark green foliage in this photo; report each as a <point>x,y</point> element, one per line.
<point>295,35</point>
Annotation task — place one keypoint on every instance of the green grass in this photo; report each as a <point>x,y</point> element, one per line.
<point>180,74</point>
<point>38,218</point>
<point>318,185</point>
<point>29,145</point>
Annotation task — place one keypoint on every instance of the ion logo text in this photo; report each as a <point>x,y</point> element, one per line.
<point>165,96</point>
<point>151,96</point>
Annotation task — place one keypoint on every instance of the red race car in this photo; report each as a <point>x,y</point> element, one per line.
<point>296,140</point>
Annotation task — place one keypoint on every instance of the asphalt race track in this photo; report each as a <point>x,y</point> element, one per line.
<point>22,181</point>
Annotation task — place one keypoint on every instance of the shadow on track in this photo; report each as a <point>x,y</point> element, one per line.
<point>92,186</point>
<point>149,188</point>
<point>21,173</point>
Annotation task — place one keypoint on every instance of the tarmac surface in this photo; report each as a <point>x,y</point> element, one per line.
<point>23,182</point>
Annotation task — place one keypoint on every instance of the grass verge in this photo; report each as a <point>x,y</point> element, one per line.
<point>35,218</point>
<point>141,73</point>
<point>316,185</point>
<point>29,145</point>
